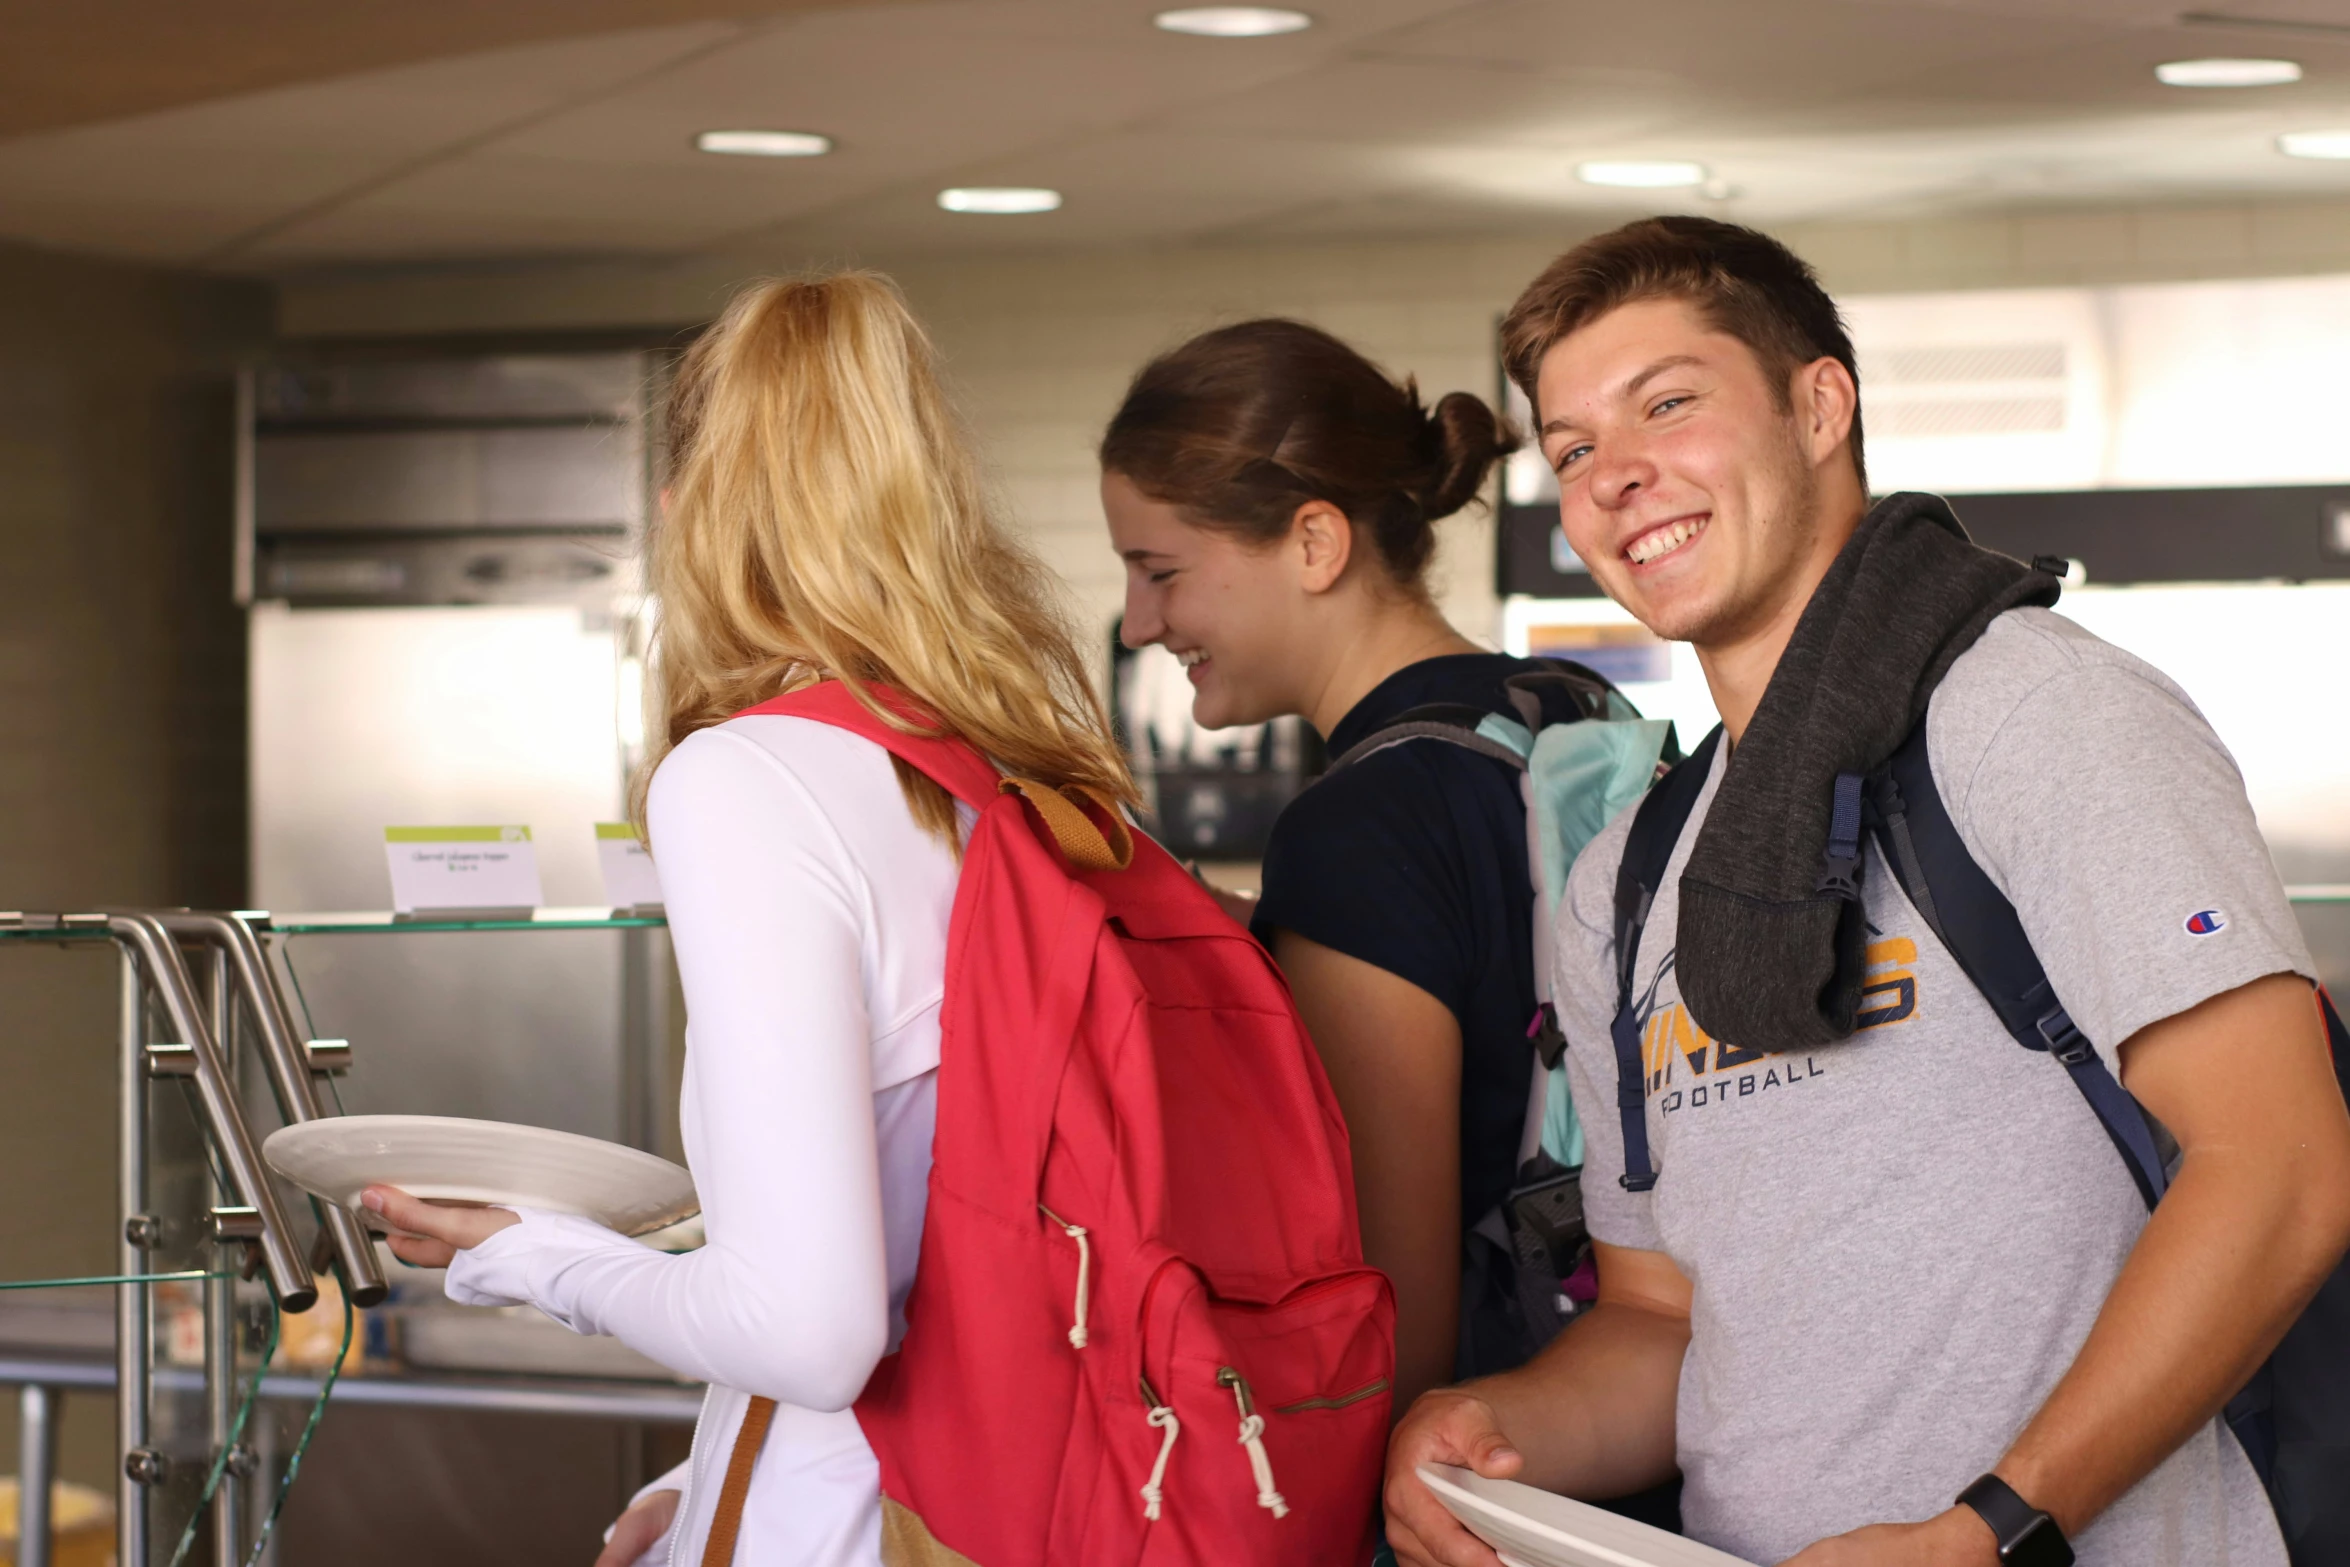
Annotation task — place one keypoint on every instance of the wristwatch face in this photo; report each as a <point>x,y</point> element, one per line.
<point>2042,1544</point>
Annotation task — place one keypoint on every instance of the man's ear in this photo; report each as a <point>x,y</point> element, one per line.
<point>1324,541</point>
<point>1825,399</point>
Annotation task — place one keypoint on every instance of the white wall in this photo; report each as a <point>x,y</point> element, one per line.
<point>2146,385</point>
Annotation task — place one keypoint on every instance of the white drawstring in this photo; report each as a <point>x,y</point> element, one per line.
<point>1164,1418</point>
<point>1252,1431</point>
<point>1077,1334</point>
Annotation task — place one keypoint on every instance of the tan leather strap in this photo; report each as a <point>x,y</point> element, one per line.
<point>1082,842</point>
<point>727,1522</point>
<point>907,1542</point>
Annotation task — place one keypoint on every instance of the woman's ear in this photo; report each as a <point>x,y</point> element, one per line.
<point>1324,540</point>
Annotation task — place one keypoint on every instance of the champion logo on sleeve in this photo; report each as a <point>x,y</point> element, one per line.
<point>2206,922</point>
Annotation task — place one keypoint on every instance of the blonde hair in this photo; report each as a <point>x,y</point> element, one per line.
<point>825,518</point>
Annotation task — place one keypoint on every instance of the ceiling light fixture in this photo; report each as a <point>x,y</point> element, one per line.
<point>2315,144</point>
<point>1642,174</point>
<point>765,144</point>
<point>2227,73</point>
<point>998,199</point>
<point>1233,21</point>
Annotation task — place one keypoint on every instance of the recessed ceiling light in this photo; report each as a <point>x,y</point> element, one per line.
<point>2315,144</point>
<point>998,199</point>
<point>766,144</point>
<point>1642,174</point>
<point>2227,73</point>
<point>1233,21</point>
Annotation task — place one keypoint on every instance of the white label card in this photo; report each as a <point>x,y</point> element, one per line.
<point>630,881</point>
<point>462,868</point>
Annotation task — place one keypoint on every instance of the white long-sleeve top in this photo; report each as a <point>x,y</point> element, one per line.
<point>809,917</point>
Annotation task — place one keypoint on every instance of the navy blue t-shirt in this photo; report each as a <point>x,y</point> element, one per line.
<point>1413,860</point>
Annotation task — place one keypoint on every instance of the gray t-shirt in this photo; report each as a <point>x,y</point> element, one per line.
<point>1898,1243</point>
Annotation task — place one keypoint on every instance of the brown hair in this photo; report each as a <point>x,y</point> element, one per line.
<point>825,519</point>
<point>1744,283</point>
<point>1241,426</point>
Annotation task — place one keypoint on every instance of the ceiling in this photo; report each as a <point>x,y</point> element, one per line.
<point>285,136</point>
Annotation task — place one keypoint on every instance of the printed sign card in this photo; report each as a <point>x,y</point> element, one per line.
<point>629,878</point>
<point>472,869</point>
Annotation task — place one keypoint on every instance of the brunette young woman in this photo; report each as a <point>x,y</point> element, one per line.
<point>824,519</point>
<point>1275,497</point>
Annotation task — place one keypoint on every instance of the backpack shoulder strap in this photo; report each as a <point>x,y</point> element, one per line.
<point>1973,919</point>
<point>950,763</point>
<point>1452,723</point>
<point>1095,839</point>
<point>1648,850</point>
<point>1495,734</point>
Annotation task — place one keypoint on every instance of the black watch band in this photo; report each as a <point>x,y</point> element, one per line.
<point>2027,1536</point>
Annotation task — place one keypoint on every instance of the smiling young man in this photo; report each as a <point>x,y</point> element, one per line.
<point>1884,1257</point>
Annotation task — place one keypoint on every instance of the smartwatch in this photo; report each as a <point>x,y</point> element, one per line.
<point>2027,1536</point>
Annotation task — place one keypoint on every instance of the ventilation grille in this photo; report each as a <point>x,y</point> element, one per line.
<point>1984,362</point>
<point>1967,389</point>
<point>1969,416</point>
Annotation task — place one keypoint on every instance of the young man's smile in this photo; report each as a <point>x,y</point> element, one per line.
<point>1664,541</point>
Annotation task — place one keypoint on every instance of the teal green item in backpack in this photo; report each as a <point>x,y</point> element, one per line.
<point>1578,778</point>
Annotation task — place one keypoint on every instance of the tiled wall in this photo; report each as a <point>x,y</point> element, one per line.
<point>1042,345</point>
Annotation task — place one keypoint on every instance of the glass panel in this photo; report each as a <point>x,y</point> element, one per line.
<point>526,1022</point>
<point>359,924</point>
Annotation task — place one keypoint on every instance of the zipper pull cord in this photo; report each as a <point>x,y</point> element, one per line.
<point>1164,1419</point>
<point>1252,1433</point>
<point>1077,1333</point>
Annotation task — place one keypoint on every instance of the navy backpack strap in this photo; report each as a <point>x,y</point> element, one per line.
<point>1974,920</point>
<point>1656,827</point>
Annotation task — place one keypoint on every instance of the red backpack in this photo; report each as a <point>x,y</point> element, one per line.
<point>1141,1329</point>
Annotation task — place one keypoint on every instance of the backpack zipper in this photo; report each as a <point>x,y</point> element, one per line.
<point>1078,1335</point>
<point>1334,1401</point>
<point>1252,1437</point>
<point>1252,1424</point>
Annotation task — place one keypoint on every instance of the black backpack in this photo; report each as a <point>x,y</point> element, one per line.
<point>2293,1417</point>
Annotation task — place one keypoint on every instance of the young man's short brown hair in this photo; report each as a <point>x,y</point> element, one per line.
<point>1744,283</point>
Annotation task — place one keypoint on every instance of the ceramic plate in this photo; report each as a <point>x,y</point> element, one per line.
<point>1531,1528</point>
<point>442,1157</point>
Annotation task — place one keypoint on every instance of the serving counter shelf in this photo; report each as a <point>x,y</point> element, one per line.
<point>207,1053</point>
<point>661,1403</point>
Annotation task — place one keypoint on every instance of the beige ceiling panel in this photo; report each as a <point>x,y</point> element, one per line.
<point>1338,24</point>
<point>1390,117</point>
<point>909,101</point>
<point>2105,76</point>
<point>896,78</point>
<point>89,61</point>
<point>1392,103</point>
<point>1199,188</point>
<point>181,184</point>
<point>1783,50</point>
<point>510,206</point>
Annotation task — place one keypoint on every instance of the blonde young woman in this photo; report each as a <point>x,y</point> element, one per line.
<point>824,518</point>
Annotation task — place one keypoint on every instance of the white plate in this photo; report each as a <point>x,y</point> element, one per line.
<point>1531,1528</point>
<point>453,1160</point>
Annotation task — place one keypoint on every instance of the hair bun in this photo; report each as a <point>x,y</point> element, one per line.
<point>1465,439</point>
